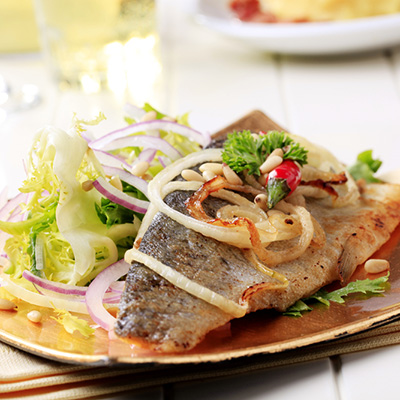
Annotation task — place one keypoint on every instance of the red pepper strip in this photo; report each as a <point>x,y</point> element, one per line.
<point>282,181</point>
<point>245,9</point>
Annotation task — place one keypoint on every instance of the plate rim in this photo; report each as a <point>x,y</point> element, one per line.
<point>252,32</point>
<point>387,315</point>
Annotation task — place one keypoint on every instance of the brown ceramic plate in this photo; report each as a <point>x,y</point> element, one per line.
<point>258,333</point>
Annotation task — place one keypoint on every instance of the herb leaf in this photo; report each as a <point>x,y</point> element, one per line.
<point>72,323</point>
<point>111,213</point>
<point>366,286</point>
<point>365,167</point>
<point>244,151</point>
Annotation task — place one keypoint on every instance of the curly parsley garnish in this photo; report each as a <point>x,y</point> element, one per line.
<point>243,151</point>
<point>366,286</point>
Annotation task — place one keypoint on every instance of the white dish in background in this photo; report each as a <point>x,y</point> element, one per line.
<point>314,38</point>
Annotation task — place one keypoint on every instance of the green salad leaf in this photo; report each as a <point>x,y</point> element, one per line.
<point>366,286</point>
<point>365,167</point>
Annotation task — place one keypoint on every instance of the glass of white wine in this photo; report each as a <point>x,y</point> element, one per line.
<point>101,44</point>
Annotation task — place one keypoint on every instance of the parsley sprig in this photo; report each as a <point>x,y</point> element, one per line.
<point>365,167</point>
<point>242,151</point>
<point>366,286</point>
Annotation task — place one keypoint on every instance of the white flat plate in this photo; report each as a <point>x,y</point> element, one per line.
<point>314,38</point>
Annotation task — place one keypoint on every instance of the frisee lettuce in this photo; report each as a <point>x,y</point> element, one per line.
<point>366,286</point>
<point>184,145</point>
<point>72,323</point>
<point>69,235</point>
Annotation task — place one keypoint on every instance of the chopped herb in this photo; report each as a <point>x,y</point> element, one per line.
<point>243,151</point>
<point>365,167</point>
<point>366,286</point>
<point>72,323</point>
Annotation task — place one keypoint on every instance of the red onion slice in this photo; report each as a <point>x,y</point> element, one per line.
<point>116,196</point>
<point>13,207</point>
<point>169,126</point>
<point>56,287</point>
<point>147,155</point>
<point>134,112</point>
<point>145,141</point>
<point>3,197</point>
<point>114,291</point>
<point>127,177</point>
<point>97,289</point>
<point>110,160</point>
<point>163,161</point>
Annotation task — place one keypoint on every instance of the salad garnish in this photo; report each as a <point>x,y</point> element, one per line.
<point>82,203</point>
<point>272,155</point>
<point>366,286</point>
<point>365,167</point>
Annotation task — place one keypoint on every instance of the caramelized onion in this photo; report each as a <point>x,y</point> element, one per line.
<point>195,209</point>
<point>180,281</point>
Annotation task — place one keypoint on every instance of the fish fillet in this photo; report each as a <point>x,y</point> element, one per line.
<point>157,315</point>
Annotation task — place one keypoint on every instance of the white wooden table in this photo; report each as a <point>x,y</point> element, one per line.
<point>348,104</point>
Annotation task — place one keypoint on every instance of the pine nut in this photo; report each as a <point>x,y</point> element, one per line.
<point>214,167</point>
<point>140,168</point>
<point>262,180</point>
<point>190,175</point>
<point>231,176</point>
<point>208,175</point>
<point>270,163</point>
<point>34,316</point>
<point>166,118</point>
<point>6,305</point>
<point>87,185</point>
<point>149,116</point>
<point>277,152</point>
<point>375,266</point>
<point>116,182</point>
<point>261,201</point>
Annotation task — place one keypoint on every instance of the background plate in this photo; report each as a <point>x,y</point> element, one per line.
<point>262,332</point>
<point>315,38</point>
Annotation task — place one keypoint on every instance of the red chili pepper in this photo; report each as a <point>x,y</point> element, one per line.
<point>282,181</point>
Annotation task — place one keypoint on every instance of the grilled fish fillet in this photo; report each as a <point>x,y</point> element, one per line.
<point>157,315</point>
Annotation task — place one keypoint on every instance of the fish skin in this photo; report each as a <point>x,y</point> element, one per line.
<point>157,315</point>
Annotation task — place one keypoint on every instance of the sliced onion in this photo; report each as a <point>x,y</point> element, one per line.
<point>121,198</point>
<point>110,160</point>
<point>57,287</point>
<point>98,288</point>
<point>239,236</point>
<point>147,155</point>
<point>169,126</point>
<point>134,112</point>
<point>114,291</point>
<point>13,207</point>
<point>164,161</point>
<point>40,300</point>
<point>127,177</point>
<point>144,141</point>
<point>3,197</point>
<point>184,283</point>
